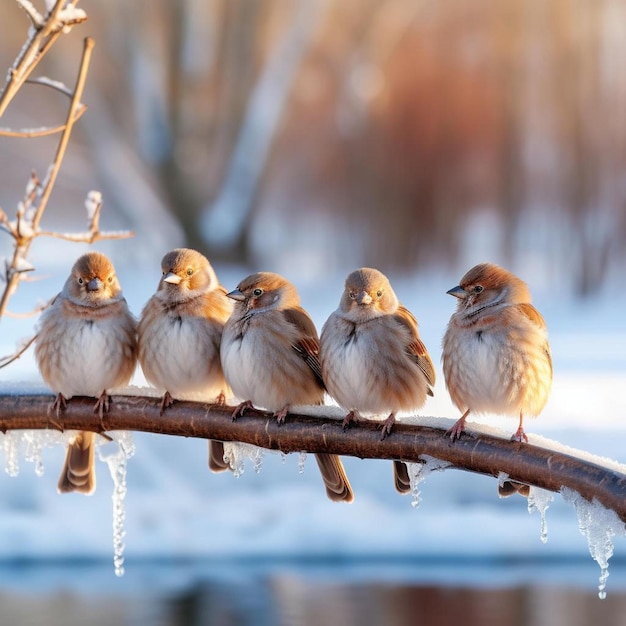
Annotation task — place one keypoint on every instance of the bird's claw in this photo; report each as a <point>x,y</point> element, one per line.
<point>281,415</point>
<point>352,419</point>
<point>520,436</point>
<point>166,402</point>
<point>240,408</point>
<point>386,426</point>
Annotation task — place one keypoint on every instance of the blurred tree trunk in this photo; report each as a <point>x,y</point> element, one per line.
<point>225,222</point>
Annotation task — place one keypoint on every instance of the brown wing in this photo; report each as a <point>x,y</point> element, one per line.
<point>308,344</point>
<point>416,349</point>
<point>536,318</point>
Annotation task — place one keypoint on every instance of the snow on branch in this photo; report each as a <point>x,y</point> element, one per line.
<point>483,454</point>
<point>45,31</point>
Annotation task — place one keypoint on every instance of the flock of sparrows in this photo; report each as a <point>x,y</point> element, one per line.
<point>258,344</point>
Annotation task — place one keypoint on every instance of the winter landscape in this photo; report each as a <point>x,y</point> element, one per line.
<point>310,139</point>
<point>275,516</point>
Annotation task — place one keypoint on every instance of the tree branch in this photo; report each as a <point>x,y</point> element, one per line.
<point>44,33</point>
<point>22,244</point>
<point>540,467</point>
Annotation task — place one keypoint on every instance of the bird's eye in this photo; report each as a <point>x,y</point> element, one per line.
<point>477,289</point>
<point>80,281</point>
<point>110,279</point>
<point>379,293</point>
<point>189,271</point>
<point>352,295</point>
<point>257,292</point>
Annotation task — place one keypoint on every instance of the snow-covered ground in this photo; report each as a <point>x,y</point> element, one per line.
<point>175,508</point>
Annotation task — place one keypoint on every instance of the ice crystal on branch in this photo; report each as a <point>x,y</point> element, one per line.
<point>599,525</point>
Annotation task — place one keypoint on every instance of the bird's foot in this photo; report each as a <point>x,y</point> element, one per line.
<point>281,415</point>
<point>59,405</point>
<point>240,408</point>
<point>387,425</point>
<point>102,406</point>
<point>520,436</point>
<point>457,430</point>
<point>166,402</point>
<point>352,419</point>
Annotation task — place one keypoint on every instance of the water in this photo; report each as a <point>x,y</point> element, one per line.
<point>313,592</point>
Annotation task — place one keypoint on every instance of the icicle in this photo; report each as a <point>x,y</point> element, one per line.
<point>418,472</point>
<point>34,446</point>
<point>540,500</point>
<point>301,462</point>
<point>234,458</point>
<point>235,454</point>
<point>12,441</point>
<point>257,459</point>
<point>599,526</point>
<point>33,442</point>
<point>117,467</point>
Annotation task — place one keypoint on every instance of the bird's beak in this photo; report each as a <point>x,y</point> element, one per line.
<point>458,292</point>
<point>171,278</point>
<point>364,298</point>
<point>236,295</point>
<point>95,284</point>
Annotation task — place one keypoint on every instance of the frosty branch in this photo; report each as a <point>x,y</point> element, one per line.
<point>45,30</point>
<point>547,469</point>
<point>25,227</point>
<point>31,210</point>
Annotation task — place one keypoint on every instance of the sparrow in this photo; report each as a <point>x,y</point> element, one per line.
<point>179,335</point>
<point>373,360</point>
<point>496,356</point>
<point>270,356</point>
<point>86,344</point>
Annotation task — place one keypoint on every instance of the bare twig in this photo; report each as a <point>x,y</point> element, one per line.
<point>529,464</point>
<point>29,133</point>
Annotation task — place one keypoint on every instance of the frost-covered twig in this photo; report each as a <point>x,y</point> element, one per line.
<point>539,467</point>
<point>93,204</point>
<point>30,212</point>
<point>43,33</point>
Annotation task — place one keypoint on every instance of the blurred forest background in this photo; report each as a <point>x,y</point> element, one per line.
<point>393,133</point>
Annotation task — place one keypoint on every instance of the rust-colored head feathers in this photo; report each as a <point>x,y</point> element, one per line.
<point>92,280</point>
<point>265,290</point>
<point>186,274</point>
<point>489,283</point>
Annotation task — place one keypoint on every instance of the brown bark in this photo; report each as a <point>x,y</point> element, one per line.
<point>482,454</point>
